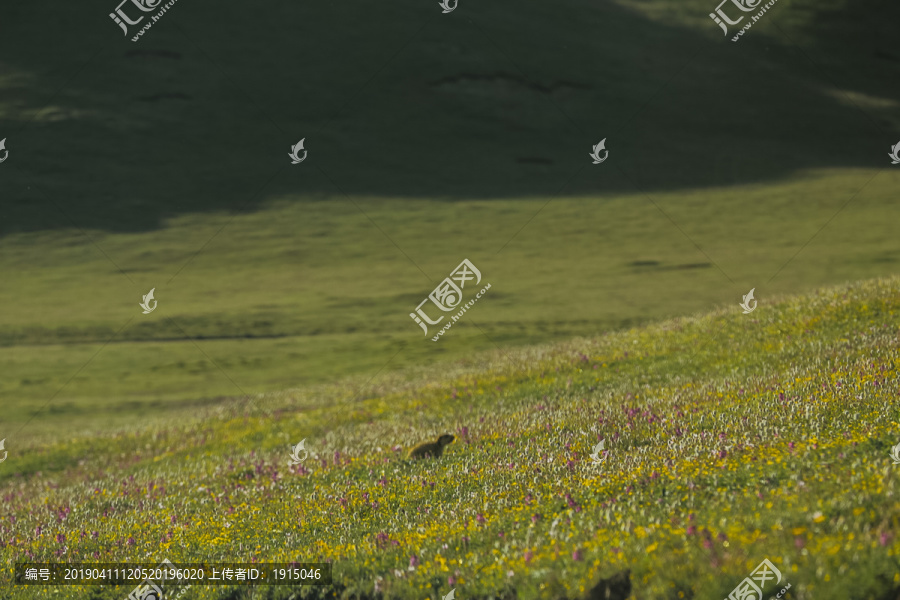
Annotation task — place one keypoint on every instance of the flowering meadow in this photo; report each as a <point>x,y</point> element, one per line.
<point>728,438</point>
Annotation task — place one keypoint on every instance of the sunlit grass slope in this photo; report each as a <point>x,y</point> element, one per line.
<point>432,138</point>
<point>299,294</point>
<point>731,438</point>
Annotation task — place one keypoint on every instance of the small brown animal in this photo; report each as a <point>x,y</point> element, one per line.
<point>617,587</point>
<point>432,449</point>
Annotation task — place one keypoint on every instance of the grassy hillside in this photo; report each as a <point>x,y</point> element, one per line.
<point>490,102</point>
<point>432,138</point>
<point>731,438</point>
<point>293,296</point>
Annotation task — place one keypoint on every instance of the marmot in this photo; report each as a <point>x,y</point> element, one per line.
<point>432,449</point>
<point>617,587</point>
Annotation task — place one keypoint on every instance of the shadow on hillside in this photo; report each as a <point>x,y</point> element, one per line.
<point>486,102</point>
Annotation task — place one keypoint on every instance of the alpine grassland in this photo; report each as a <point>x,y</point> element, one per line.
<point>163,164</point>
<point>729,438</point>
<point>615,416</point>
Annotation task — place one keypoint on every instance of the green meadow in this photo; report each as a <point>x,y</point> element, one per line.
<point>285,291</point>
<point>729,439</point>
<point>432,138</point>
<point>276,300</point>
